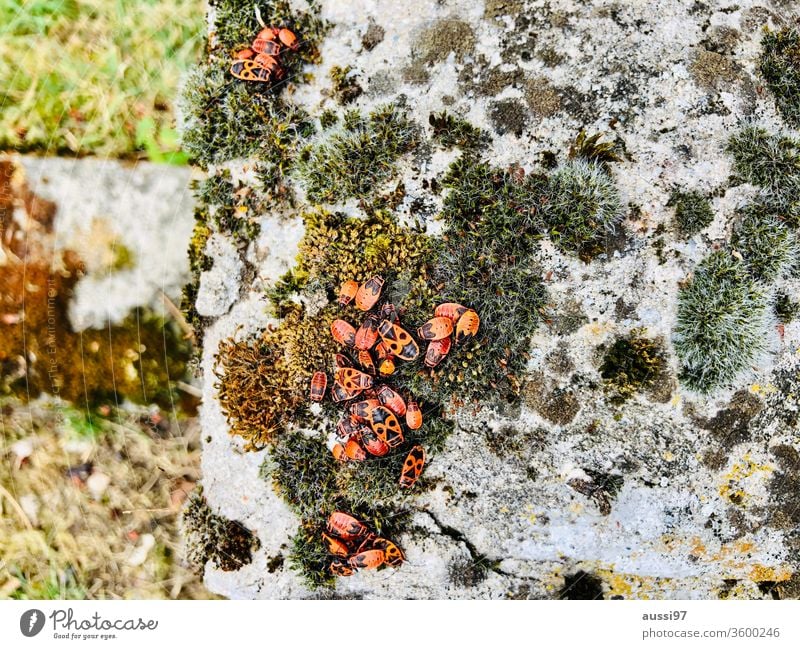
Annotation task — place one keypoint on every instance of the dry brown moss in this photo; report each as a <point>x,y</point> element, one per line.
<point>255,388</point>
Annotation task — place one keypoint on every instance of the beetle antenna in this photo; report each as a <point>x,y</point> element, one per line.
<point>258,16</point>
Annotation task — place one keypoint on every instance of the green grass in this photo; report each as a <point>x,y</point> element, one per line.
<point>95,76</point>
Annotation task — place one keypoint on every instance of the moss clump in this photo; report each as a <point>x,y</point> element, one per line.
<point>255,389</point>
<point>304,473</point>
<point>763,159</point>
<point>486,260</point>
<point>692,212</point>
<point>780,66</point>
<point>770,249</point>
<point>225,119</point>
<point>721,325</point>
<point>632,364</point>
<point>786,309</point>
<point>591,149</point>
<point>228,544</point>
<point>450,131</point>
<point>580,206</point>
<point>336,248</point>
<point>345,87</point>
<point>354,160</point>
<point>310,558</point>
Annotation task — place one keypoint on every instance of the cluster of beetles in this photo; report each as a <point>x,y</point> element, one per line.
<point>371,424</point>
<point>354,547</point>
<point>262,61</point>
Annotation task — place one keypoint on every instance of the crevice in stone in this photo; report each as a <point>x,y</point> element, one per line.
<point>490,563</point>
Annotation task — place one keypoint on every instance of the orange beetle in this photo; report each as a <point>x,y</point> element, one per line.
<point>250,70</point>
<point>393,555</point>
<point>467,326</point>
<point>342,361</point>
<point>412,467</point>
<point>339,393</point>
<point>374,444</point>
<point>450,310</point>
<point>413,416</point>
<point>398,341</point>
<point>340,568</point>
<point>246,53</point>
<point>354,451</point>
<point>391,400</point>
<point>338,452</point>
<point>436,328</point>
<point>268,33</point>
<point>343,333</point>
<point>272,64</point>
<point>387,366</point>
<point>437,350</point>
<point>385,359</point>
<point>318,384</point>
<point>288,38</point>
<point>368,293</point>
<point>347,292</point>
<point>268,47</point>
<point>346,427</point>
<point>367,334</point>
<point>345,526</point>
<point>367,559</point>
<point>362,410</point>
<point>386,426</point>
<point>365,360</point>
<point>335,546</point>
<point>352,379</point>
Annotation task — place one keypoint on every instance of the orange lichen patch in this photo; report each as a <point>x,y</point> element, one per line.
<point>767,573</point>
<point>735,481</point>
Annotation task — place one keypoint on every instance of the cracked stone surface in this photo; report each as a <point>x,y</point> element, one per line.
<point>706,502</point>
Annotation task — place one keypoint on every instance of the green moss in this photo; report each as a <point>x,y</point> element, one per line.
<point>485,260</point>
<point>780,66</point>
<point>693,211</point>
<point>763,159</point>
<point>632,364</point>
<point>770,249</point>
<point>309,557</point>
<point>354,160</point>
<point>450,131</point>
<point>210,537</point>
<point>226,119</point>
<point>591,149</point>
<point>345,86</point>
<point>327,119</point>
<point>304,474</point>
<point>581,207</point>
<point>721,323</point>
<point>786,309</point>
